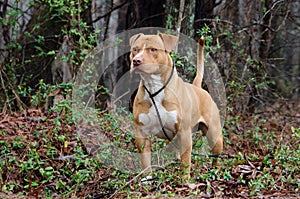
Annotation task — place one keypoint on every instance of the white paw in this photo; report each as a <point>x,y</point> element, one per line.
<point>146,179</point>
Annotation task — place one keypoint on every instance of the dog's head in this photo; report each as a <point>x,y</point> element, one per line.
<point>150,53</point>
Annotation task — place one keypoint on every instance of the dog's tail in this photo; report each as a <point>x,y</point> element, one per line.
<point>200,63</point>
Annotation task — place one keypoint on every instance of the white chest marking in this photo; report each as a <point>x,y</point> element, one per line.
<point>151,123</point>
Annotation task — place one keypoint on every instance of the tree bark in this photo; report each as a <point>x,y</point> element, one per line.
<point>149,13</point>
<point>38,67</point>
<point>204,10</point>
<point>265,31</point>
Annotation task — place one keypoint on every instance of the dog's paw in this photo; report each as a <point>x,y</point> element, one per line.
<point>146,179</point>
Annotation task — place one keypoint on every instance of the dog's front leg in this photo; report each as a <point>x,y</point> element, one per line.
<point>185,140</point>
<point>144,148</point>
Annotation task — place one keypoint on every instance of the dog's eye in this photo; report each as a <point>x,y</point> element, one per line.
<point>134,49</point>
<point>153,49</point>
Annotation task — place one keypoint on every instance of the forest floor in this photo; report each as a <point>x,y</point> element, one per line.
<point>41,156</point>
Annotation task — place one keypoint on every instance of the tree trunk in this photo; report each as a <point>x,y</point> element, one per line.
<point>265,38</point>
<point>39,67</point>
<point>149,13</point>
<point>204,10</point>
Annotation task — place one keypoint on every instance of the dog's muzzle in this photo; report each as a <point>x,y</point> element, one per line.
<point>137,61</point>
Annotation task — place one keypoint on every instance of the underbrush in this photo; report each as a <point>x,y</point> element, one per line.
<point>42,155</point>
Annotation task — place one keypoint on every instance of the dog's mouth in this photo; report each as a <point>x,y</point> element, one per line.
<point>144,69</point>
<point>135,69</point>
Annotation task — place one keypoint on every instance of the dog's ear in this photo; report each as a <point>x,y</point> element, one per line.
<point>170,41</point>
<point>134,38</point>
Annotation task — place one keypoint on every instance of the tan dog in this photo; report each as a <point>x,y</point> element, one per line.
<point>180,105</point>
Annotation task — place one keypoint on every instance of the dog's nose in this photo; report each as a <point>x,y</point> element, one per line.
<point>137,61</point>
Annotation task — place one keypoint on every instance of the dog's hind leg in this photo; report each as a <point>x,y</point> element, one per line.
<point>215,141</point>
<point>217,150</point>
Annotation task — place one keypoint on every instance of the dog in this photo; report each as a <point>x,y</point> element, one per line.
<point>165,105</point>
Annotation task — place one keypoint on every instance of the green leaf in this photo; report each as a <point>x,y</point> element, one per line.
<point>293,129</point>
<point>34,184</point>
<point>52,52</point>
<point>49,168</point>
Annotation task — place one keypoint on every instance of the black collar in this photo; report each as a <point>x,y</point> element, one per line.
<point>153,101</point>
<point>162,88</point>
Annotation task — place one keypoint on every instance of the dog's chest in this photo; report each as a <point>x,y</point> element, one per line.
<point>155,120</point>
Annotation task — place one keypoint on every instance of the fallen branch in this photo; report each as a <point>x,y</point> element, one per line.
<point>133,179</point>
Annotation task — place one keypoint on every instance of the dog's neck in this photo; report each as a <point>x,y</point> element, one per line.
<point>154,82</point>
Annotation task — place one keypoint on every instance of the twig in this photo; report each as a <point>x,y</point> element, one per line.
<point>5,91</point>
<point>149,18</point>
<point>283,21</point>
<point>216,20</point>
<point>66,157</point>
<point>273,6</point>
<point>121,96</point>
<point>109,12</point>
<point>133,179</point>
<point>181,9</point>
<point>20,104</point>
